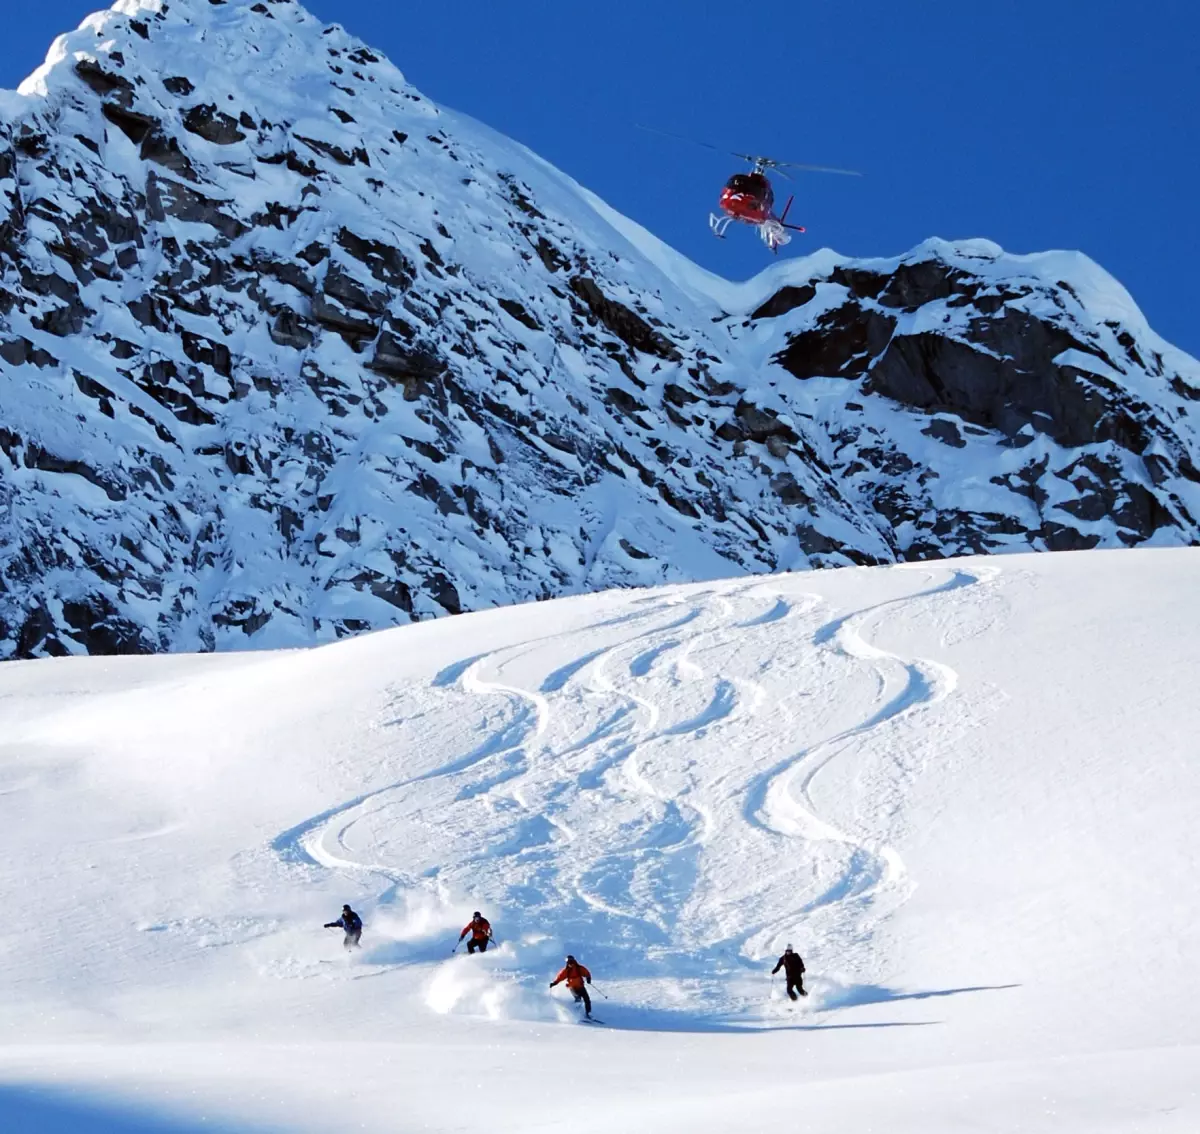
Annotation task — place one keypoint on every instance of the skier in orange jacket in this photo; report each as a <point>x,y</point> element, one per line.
<point>480,930</point>
<point>577,977</point>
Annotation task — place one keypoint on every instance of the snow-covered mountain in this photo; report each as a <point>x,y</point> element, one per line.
<point>289,352</point>
<point>964,791</point>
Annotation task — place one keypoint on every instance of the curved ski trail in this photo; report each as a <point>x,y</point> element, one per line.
<point>619,793</point>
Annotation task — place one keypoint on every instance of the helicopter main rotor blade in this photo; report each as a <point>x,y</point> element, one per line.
<point>684,138</point>
<point>815,168</point>
<point>753,159</point>
<point>780,166</point>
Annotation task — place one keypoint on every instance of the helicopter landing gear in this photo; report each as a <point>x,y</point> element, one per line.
<point>719,225</point>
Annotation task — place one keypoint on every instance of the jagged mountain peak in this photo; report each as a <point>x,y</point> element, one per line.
<point>254,43</point>
<point>288,352</point>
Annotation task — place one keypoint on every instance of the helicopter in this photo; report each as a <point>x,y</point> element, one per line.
<point>749,197</point>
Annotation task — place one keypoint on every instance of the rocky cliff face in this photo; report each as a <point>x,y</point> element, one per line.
<point>287,352</point>
<point>977,402</point>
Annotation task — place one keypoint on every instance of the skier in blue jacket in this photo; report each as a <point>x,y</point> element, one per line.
<point>351,923</point>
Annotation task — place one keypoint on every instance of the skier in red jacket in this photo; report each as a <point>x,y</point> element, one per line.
<point>577,977</point>
<point>480,930</point>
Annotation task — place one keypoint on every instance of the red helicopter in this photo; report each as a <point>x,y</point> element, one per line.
<point>749,197</point>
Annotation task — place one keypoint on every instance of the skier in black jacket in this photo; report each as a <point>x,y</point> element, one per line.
<point>793,968</point>
<point>351,923</point>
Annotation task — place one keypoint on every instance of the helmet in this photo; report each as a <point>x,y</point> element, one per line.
<point>346,908</point>
<point>788,949</point>
<point>570,959</point>
<point>477,914</point>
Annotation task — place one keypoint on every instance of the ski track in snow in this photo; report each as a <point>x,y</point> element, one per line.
<point>620,741</point>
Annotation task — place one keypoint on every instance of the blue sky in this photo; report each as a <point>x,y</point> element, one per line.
<point>1035,123</point>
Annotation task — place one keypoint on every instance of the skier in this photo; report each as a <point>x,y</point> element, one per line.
<point>793,968</point>
<point>480,930</point>
<point>576,975</point>
<point>351,923</point>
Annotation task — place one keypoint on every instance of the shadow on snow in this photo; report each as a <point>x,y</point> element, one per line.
<point>829,999</point>
<point>67,1112</point>
<point>859,995</point>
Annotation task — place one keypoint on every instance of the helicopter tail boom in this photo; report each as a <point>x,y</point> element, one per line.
<point>783,217</point>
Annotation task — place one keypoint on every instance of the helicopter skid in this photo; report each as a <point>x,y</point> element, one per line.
<point>719,224</point>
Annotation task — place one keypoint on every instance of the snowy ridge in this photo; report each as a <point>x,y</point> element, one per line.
<point>963,792</point>
<point>289,353</point>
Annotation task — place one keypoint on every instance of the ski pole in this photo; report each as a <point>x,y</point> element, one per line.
<point>595,989</point>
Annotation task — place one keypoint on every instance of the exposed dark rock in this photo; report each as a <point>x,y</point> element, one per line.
<point>629,327</point>
<point>386,264</point>
<point>758,424</point>
<point>186,204</point>
<point>207,353</point>
<point>680,503</point>
<point>103,82</point>
<point>945,431</point>
<point>291,274</point>
<point>333,315</point>
<point>18,351</point>
<point>35,457</point>
<point>1192,393</point>
<point>913,285</point>
<point>678,396</point>
<point>1059,537</point>
<point>785,486</point>
<point>133,125</point>
<point>624,402</point>
<point>341,156</point>
<point>444,593</point>
<point>38,636</point>
<point>784,300</point>
<point>213,125</point>
<point>843,345</point>
<point>519,195</point>
<point>99,628</point>
<point>343,287</point>
<point>244,614</point>
<point>861,283</point>
<point>518,312</point>
<point>62,321</point>
<point>406,363</point>
<point>289,330</point>
<point>939,374</point>
<point>163,150</point>
<point>553,259</point>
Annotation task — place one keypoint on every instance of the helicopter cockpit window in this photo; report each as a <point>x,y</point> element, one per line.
<point>744,183</point>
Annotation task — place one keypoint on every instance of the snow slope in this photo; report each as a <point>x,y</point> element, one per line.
<point>965,791</point>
